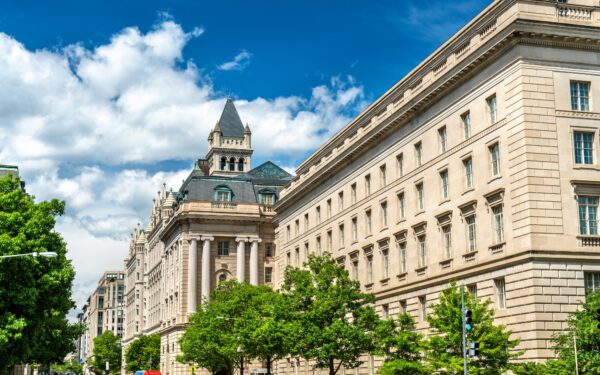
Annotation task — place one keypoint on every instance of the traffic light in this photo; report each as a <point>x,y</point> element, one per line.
<point>598,317</point>
<point>468,320</point>
<point>473,349</point>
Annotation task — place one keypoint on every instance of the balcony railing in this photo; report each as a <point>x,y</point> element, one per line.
<point>573,12</point>
<point>225,205</point>
<point>588,241</point>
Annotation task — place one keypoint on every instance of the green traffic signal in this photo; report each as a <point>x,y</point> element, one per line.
<point>469,320</point>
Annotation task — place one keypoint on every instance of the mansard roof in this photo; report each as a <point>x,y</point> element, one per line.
<point>269,171</point>
<point>230,123</point>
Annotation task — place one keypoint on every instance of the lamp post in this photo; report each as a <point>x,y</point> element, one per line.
<point>46,254</point>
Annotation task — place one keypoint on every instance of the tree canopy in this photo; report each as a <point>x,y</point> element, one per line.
<point>401,346</point>
<point>35,292</point>
<point>143,353</point>
<point>107,348</point>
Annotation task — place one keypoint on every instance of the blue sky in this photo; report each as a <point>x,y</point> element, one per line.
<point>102,102</point>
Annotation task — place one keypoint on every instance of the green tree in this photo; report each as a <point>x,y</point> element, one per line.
<point>584,324</point>
<point>35,292</point>
<point>107,348</point>
<point>333,322</point>
<point>69,366</point>
<point>400,345</point>
<point>444,347</point>
<point>143,353</point>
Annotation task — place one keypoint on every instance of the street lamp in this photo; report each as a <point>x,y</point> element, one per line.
<point>46,254</point>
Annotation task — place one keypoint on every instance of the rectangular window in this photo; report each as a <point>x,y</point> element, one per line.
<point>402,252</point>
<point>269,250</point>
<point>354,230</point>
<point>444,184</point>
<point>318,245</point>
<point>297,258</point>
<point>305,222</point>
<point>223,248</point>
<point>500,293</point>
<point>385,309</point>
<point>418,154</point>
<point>584,147</point>
<point>422,248</point>
<point>384,215</point>
<point>385,260</point>
<point>447,241</point>
<point>472,288</point>
<point>420,197</point>
<point>329,241</point>
<point>423,308</point>
<point>328,208</point>
<point>498,222</point>
<point>468,167</point>
<point>353,193</point>
<point>288,232</point>
<point>268,274</point>
<point>355,269</point>
<point>400,165</point>
<point>318,215</point>
<point>492,109</point>
<point>382,176</point>
<point>340,201</point>
<point>401,213</point>
<point>592,281</point>
<point>495,159</point>
<point>465,119</point>
<point>368,185</point>
<point>369,269</point>
<point>443,139</point>
<point>368,223</point>
<point>403,306</point>
<point>306,250</point>
<point>471,233</point>
<point>296,228</point>
<point>580,96</point>
<point>588,215</point>
<point>341,235</point>
<point>288,259</point>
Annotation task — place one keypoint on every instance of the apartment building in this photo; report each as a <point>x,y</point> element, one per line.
<point>480,166</point>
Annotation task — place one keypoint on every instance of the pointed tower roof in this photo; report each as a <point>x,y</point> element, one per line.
<point>230,123</point>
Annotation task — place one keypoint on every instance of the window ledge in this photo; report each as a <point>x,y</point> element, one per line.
<point>368,236</point>
<point>384,281</point>
<point>444,201</point>
<point>446,263</point>
<point>421,270</point>
<point>353,242</point>
<point>468,191</point>
<point>470,256</point>
<point>592,167</point>
<point>420,213</point>
<point>494,178</point>
<point>368,285</point>
<point>384,228</point>
<point>400,221</point>
<point>401,276</point>
<point>498,247</point>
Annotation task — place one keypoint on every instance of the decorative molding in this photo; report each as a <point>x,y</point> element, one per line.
<point>578,114</point>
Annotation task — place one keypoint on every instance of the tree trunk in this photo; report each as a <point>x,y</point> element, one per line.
<point>268,365</point>
<point>331,367</point>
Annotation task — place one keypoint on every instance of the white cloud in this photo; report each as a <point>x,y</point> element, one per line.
<point>239,62</point>
<point>84,125</point>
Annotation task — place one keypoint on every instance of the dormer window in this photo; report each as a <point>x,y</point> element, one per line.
<point>223,194</point>
<point>267,197</point>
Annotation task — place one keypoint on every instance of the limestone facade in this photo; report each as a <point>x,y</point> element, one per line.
<point>480,166</point>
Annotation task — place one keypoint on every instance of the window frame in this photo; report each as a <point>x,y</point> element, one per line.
<point>495,159</point>
<point>445,184</point>
<point>576,100</point>
<point>500,292</point>
<point>465,121</point>
<point>587,229</point>
<point>492,108</point>
<point>443,139</point>
<point>418,146</point>
<point>581,152</point>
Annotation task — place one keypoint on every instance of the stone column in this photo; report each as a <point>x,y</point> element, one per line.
<point>192,275</point>
<point>206,267</point>
<point>254,261</point>
<point>241,259</point>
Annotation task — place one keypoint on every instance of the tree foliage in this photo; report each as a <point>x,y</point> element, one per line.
<point>400,346</point>
<point>444,347</point>
<point>333,322</point>
<point>107,348</point>
<point>143,353</point>
<point>35,292</point>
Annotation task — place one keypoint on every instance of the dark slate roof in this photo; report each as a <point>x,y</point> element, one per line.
<point>230,122</point>
<point>269,171</point>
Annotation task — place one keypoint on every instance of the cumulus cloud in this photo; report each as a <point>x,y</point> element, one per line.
<point>239,62</point>
<point>87,126</point>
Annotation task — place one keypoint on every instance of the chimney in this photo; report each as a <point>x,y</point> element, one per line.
<point>203,165</point>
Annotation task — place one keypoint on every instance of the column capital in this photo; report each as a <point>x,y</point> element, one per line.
<point>254,239</point>
<point>207,238</point>
<point>193,239</point>
<point>241,239</point>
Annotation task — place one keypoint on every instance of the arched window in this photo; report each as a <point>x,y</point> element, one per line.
<point>223,194</point>
<point>223,163</point>
<point>241,165</point>
<point>232,164</point>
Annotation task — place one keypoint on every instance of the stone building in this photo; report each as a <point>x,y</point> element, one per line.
<point>480,166</point>
<point>217,226</point>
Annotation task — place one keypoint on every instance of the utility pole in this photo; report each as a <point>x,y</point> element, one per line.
<point>464,329</point>
<point>575,349</point>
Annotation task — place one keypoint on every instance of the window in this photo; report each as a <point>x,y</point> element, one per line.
<point>354,230</point>
<point>401,213</point>
<point>492,109</point>
<point>329,241</point>
<point>341,235</point>
<point>305,222</point>
<point>368,185</point>
<point>288,258</point>
<point>241,165</point>
<point>403,307</point>
<point>288,232</point>
<point>472,288</point>
<point>584,147</point>
<point>466,124</point>
<point>402,252</point>
<point>400,165</point>
<point>296,228</point>
<point>580,96</point>
<point>385,263</point>
<point>422,248</point>
<point>447,241</point>
<point>384,215</point>
<point>369,269</point>
<point>423,308</point>
<point>318,215</point>
<point>368,223</point>
<point>269,251</point>
<point>444,184</point>
<point>420,197</point>
<point>355,269</point>
<point>328,208</point>
<point>267,198</point>
<point>297,257</point>
<point>340,201</point>
<point>232,164</point>
<point>306,251</point>
<point>268,274</point>
<point>468,167</point>
<point>588,215</point>
<point>498,223</point>
<point>222,194</point>
<point>592,281</point>
<point>382,176</point>
<point>353,193</point>
<point>418,154</point>
<point>222,277</point>
<point>318,245</point>
<point>443,139</point>
<point>223,163</point>
<point>385,309</point>
<point>223,248</point>
<point>471,234</point>
<point>495,159</point>
<point>500,293</point>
